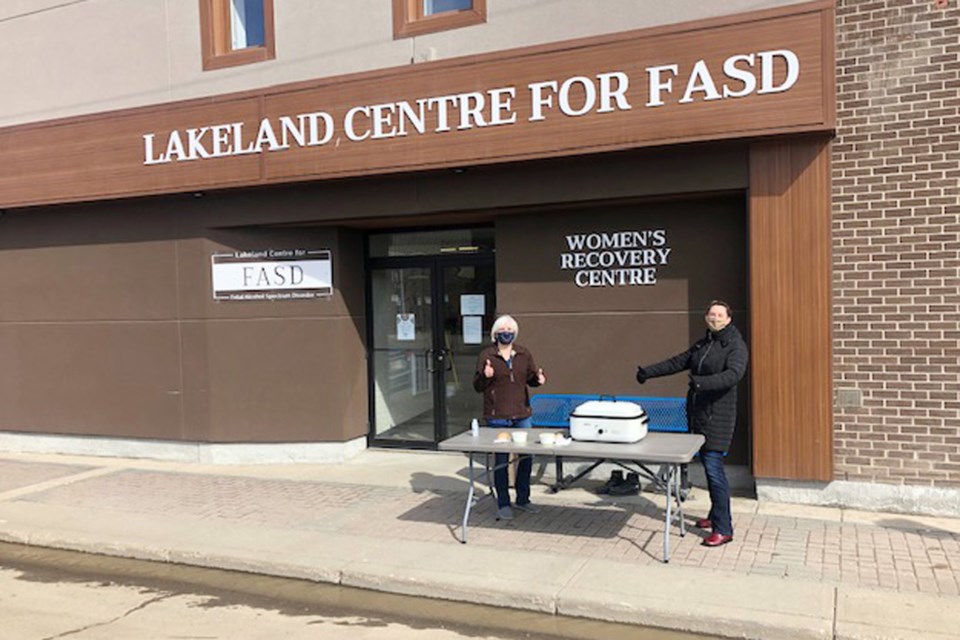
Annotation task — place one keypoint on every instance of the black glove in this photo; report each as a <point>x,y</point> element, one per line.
<point>641,375</point>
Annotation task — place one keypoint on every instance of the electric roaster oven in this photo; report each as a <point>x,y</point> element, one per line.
<point>608,421</point>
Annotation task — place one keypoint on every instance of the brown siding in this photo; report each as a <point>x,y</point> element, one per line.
<point>110,329</point>
<point>790,309</point>
<point>116,378</point>
<point>109,326</point>
<point>896,241</point>
<point>277,380</point>
<point>590,340</point>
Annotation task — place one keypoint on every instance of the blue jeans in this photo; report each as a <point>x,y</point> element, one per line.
<point>524,467</point>
<point>719,490</point>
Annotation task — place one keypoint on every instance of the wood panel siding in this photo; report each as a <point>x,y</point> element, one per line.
<point>790,310</point>
<point>104,156</point>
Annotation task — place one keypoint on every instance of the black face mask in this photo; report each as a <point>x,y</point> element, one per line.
<point>505,337</point>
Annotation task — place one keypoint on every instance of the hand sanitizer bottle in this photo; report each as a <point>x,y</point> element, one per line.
<point>475,428</point>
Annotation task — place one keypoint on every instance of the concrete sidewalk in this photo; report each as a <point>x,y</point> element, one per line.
<point>389,521</point>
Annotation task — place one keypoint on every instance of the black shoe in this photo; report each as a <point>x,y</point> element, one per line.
<point>629,487</point>
<point>616,479</point>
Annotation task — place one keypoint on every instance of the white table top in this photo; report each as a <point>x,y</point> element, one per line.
<point>662,448</point>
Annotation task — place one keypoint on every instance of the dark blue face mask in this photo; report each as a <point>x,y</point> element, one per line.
<point>505,337</point>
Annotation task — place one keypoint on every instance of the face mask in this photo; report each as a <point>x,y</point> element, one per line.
<point>717,324</point>
<point>505,337</point>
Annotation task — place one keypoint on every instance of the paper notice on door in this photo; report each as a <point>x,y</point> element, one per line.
<point>406,327</point>
<point>472,305</point>
<point>472,329</point>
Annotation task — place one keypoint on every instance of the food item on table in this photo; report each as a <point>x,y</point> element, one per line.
<point>503,436</point>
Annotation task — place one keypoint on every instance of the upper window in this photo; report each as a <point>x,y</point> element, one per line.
<point>236,32</point>
<point>414,17</point>
<point>432,7</point>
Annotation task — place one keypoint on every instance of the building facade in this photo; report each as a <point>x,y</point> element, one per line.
<point>246,230</point>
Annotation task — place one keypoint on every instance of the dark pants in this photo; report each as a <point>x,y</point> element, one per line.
<point>501,480</point>
<point>719,490</point>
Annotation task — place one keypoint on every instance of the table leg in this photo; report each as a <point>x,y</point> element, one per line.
<point>466,510</point>
<point>487,478</point>
<point>671,472</point>
<point>680,501</point>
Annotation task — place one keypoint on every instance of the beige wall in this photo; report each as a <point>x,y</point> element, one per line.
<point>88,57</point>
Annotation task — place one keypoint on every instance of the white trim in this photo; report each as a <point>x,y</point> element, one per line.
<point>199,452</point>
<point>868,496</point>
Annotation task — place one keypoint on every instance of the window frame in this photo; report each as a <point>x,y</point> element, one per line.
<point>215,41</point>
<point>409,20</point>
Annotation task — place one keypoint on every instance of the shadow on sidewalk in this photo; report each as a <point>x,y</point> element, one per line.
<point>912,526</point>
<point>565,527</point>
<point>421,481</point>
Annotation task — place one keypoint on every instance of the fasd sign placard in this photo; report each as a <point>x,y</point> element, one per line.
<point>272,274</point>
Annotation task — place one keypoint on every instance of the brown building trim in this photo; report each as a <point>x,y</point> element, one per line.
<point>790,267</point>
<point>829,18</point>
<point>409,21</point>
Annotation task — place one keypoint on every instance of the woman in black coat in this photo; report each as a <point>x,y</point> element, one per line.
<point>715,365</point>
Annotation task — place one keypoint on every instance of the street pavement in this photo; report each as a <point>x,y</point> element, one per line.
<point>389,521</point>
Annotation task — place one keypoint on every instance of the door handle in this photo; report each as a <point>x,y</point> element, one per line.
<point>428,357</point>
<point>447,356</point>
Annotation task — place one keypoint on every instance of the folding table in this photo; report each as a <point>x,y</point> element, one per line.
<point>670,450</point>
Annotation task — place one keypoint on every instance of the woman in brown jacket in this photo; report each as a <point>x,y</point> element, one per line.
<point>504,371</point>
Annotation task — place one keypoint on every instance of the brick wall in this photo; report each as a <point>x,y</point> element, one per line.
<point>896,240</point>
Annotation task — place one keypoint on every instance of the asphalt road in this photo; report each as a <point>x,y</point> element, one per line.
<point>48,594</point>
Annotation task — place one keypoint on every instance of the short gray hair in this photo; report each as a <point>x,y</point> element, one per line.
<point>498,324</point>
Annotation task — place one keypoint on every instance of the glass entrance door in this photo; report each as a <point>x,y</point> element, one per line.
<point>431,316</point>
<point>467,316</point>
<point>402,354</point>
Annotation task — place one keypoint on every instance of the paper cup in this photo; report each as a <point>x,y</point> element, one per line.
<point>520,437</point>
<point>548,438</point>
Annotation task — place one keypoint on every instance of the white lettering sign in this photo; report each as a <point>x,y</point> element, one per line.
<point>272,275</point>
<point>615,259</point>
<point>738,76</point>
